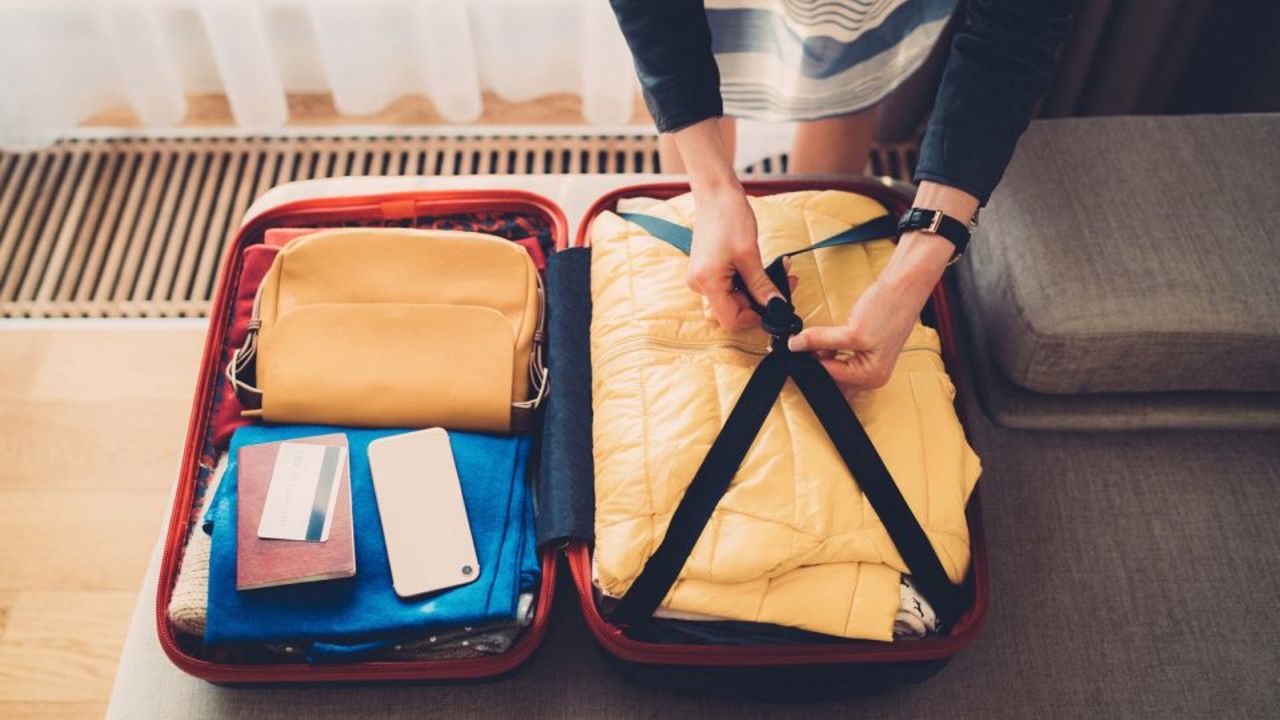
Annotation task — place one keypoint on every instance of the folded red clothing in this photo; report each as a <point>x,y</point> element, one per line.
<point>255,262</point>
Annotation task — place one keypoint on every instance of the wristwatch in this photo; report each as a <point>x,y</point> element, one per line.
<point>938,223</point>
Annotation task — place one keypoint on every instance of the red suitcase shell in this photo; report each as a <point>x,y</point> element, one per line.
<point>384,207</point>
<point>812,671</point>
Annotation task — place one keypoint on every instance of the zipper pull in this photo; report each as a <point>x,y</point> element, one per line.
<point>398,209</point>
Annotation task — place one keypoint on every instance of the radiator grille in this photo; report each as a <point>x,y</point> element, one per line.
<point>134,227</point>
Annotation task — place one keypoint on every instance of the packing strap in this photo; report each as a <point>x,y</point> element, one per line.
<point>730,447</point>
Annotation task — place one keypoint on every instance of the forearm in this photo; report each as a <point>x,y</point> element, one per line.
<point>920,258</point>
<point>706,159</point>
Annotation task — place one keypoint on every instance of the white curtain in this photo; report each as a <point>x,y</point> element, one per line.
<point>63,61</point>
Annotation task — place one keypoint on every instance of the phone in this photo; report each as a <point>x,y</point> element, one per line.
<point>424,517</point>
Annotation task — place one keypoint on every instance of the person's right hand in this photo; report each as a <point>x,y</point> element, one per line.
<point>724,244</point>
<point>724,232</point>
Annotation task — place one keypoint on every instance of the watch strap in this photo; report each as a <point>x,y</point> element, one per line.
<point>937,223</point>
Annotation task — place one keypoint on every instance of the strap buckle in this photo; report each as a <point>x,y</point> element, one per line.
<point>780,320</point>
<point>936,222</point>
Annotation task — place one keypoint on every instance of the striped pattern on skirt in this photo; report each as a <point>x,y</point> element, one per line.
<point>786,60</point>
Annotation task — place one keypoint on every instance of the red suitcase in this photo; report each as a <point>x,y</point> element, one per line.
<point>765,671</point>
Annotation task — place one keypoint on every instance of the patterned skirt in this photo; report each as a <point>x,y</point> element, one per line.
<point>785,60</point>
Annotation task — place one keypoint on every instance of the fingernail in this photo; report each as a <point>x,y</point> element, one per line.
<point>795,343</point>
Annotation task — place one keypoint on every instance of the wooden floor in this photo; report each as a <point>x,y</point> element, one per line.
<point>92,421</point>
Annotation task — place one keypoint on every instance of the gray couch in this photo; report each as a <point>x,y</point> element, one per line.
<point>1132,471</point>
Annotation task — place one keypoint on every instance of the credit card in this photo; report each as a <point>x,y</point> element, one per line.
<point>303,492</point>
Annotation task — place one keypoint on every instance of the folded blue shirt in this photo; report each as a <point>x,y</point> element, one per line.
<point>492,471</point>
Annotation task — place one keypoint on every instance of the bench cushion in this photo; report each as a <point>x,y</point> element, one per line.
<point>1136,255</point>
<point>1012,406</point>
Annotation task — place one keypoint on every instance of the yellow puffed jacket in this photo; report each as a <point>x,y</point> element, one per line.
<point>793,541</point>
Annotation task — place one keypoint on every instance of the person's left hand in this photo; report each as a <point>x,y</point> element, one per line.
<point>869,342</point>
<point>881,320</point>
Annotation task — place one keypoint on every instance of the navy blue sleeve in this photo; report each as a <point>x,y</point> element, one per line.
<point>670,42</point>
<point>1000,65</point>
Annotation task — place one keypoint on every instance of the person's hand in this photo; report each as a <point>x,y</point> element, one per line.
<point>870,340</point>
<point>861,354</point>
<point>724,236</point>
<point>724,244</point>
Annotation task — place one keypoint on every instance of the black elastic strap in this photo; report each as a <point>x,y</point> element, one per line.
<point>705,490</point>
<point>724,458</point>
<point>868,468</point>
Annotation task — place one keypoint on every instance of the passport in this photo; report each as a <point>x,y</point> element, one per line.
<point>325,544</point>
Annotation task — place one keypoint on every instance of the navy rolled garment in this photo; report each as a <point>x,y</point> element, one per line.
<point>365,608</point>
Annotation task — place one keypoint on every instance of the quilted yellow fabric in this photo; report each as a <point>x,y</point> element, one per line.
<point>793,542</point>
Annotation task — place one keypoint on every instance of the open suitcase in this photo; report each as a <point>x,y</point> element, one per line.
<point>563,492</point>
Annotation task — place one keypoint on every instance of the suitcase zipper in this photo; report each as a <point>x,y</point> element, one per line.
<point>651,342</point>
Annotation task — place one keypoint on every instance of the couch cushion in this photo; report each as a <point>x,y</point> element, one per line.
<point>1012,406</point>
<point>1136,255</point>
